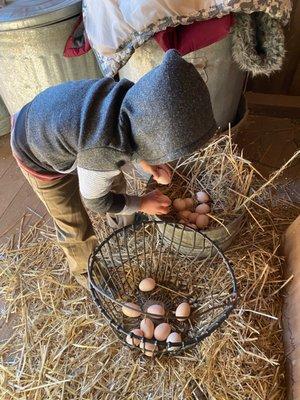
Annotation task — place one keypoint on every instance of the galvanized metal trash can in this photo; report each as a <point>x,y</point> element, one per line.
<point>215,64</point>
<point>33,34</point>
<point>4,119</point>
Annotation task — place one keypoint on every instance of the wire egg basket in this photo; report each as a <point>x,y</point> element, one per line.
<point>136,252</point>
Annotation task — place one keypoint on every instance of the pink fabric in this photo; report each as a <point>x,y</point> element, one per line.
<point>42,177</point>
<point>188,38</point>
<point>77,43</point>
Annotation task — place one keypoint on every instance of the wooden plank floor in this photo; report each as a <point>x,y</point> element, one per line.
<point>17,199</point>
<point>267,141</point>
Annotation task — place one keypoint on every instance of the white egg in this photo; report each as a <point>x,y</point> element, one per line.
<point>147,284</point>
<point>202,221</point>
<point>147,326</point>
<point>203,208</point>
<point>132,340</point>
<point>148,348</point>
<point>174,337</point>
<point>162,331</point>
<point>189,202</point>
<point>131,310</point>
<point>179,204</point>
<point>156,309</point>
<point>183,311</point>
<point>202,197</point>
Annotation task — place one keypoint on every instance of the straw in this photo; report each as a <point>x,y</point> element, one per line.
<point>221,170</point>
<point>61,347</point>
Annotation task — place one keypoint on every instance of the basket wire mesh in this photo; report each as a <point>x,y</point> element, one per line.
<point>135,252</point>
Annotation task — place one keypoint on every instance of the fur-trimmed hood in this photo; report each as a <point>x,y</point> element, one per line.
<point>258,43</point>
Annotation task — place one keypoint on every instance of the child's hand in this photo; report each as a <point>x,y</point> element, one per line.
<point>161,173</point>
<point>164,174</point>
<point>155,203</point>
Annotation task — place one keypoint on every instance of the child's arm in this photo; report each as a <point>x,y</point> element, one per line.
<point>95,188</point>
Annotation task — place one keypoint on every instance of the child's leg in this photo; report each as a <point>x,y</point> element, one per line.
<point>74,229</point>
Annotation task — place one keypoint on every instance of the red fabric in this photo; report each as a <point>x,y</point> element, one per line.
<point>43,177</point>
<point>188,38</point>
<point>77,43</point>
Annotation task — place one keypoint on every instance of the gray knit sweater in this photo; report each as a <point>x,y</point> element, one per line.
<point>93,127</point>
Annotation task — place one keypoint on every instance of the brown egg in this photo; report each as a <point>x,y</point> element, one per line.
<point>132,340</point>
<point>203,208</point>
<point>183,311</point>
<point>202,221</point>
<point>193,217</point>
<point>162,331</point>
<point>147,284</point>
<point>174,337</point>
<point>189,202</point>
<point>148,348</point>
<point>179,204</point>
<point>184,214</point>
<point>182,221</point>
<point>202,197</point>
<point>131,310</point>
<point>147,326</point>
<point>156,309</point>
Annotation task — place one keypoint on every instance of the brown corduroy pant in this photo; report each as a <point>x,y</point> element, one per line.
<point>74,229</point>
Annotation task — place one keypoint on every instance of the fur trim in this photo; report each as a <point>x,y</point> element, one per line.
<point>258,43</point>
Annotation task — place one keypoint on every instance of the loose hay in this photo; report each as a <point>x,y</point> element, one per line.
<point>220,170</point>
<point>61,348</point>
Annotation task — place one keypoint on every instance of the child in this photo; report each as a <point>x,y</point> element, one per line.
<point>71,140</point>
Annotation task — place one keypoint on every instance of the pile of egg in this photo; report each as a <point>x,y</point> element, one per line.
<point>193,213</point>
<point>148,328</point>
